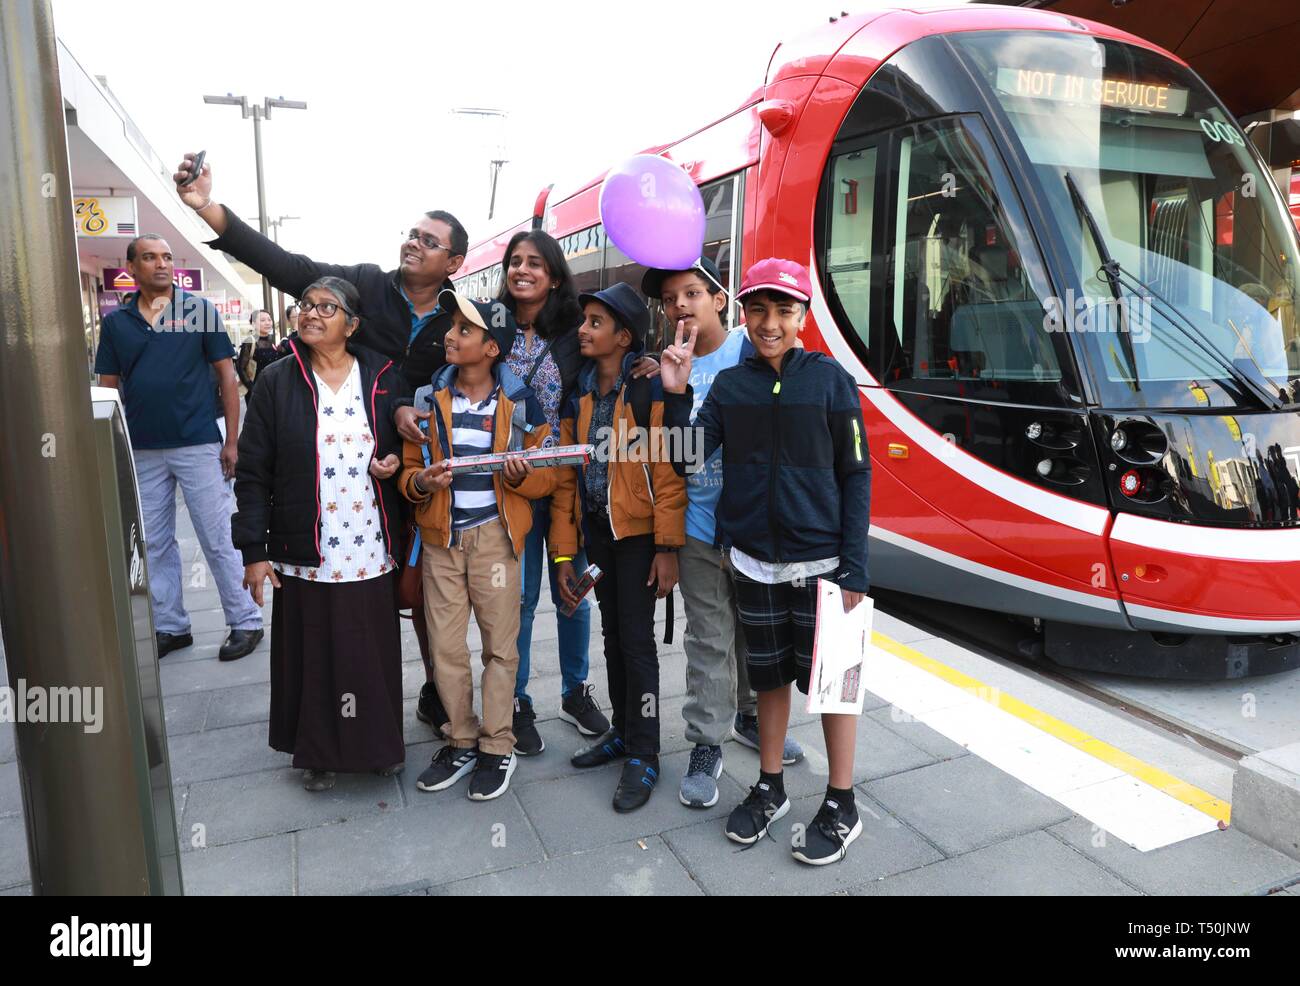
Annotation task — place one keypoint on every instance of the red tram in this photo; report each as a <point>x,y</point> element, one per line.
<point>1066,284</point>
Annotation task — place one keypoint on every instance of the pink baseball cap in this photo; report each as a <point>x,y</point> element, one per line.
<point>775,274</point>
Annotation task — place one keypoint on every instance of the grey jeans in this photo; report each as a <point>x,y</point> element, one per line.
<point>197,468</point>
<point>717,684</point>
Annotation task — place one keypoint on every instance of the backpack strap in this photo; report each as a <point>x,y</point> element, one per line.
<point>639,394</point>
<point>519,426</point>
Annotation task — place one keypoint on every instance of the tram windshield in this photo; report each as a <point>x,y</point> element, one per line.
<point>1181,203</point>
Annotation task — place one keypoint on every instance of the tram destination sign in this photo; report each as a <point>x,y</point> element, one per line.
<point>1152,97</point>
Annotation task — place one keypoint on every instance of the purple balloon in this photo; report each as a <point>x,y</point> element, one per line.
<point>653,212</point>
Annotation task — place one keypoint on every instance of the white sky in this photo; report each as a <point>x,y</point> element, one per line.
<point>584,83</point>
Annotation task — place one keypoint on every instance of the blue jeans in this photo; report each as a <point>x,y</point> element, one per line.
<point>197,470</point>
<point>574,631</point>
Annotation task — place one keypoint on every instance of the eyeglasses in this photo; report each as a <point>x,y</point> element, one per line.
<point>326,308</point>
<point>426,241</point>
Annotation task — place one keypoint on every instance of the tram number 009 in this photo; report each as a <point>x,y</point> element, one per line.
<point>1217,132</point>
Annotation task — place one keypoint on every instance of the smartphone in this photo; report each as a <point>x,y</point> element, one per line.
<point>196,169</point>
<point>590,576</point>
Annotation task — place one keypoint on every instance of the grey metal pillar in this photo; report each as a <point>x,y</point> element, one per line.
<point>91,799</point>
<point>261,196</point>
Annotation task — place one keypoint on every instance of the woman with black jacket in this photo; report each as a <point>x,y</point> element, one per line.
<point>318,516</point>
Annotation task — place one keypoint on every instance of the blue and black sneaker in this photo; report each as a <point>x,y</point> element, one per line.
<point>640,774</point>
<point>745,730</point>
<point>607,748</point>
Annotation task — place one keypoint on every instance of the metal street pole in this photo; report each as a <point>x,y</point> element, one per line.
<point>258,112</point>
<point>94,822</point>
<point>261,195</point>
<point>276,223</point>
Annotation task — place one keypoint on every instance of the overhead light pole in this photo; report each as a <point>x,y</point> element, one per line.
<point>495,164</point>
<point>258,112</point>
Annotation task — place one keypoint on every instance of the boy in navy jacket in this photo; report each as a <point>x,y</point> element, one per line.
<point>794,507</point>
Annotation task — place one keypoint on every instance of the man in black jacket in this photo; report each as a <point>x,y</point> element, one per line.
<point>401,317</point>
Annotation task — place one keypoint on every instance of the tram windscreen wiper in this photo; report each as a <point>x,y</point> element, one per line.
<point>1114,271</point>
<point>1110,267</point>
<point>1203,342</point>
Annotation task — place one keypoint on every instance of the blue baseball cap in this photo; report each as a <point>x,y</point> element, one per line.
<point>622,299</point>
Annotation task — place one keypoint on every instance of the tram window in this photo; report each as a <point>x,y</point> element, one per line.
<point>963,317</point>
<point>585,253</point>
<point>852,215</point>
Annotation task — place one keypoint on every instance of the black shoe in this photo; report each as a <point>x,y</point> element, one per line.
<point>449,765</point>
<point>528,741</point>
<point>579,708</point>
<point>239,644</point>
<point>429,709</point>
<point>606,749</point>
<point>751,818</point>
<point>491,776</point>
<point>827,839</point>
<point>168,642</point>
<point>640,774</point>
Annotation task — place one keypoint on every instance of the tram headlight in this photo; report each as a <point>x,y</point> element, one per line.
<point>1044,467</point>
<point>1034,432</point>
<point>1118,440</point>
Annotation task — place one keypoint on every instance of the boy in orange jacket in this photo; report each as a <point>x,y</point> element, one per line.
<point>630,505</point>
<point>472,527</point>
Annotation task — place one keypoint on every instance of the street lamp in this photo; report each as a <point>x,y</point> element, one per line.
<point>495,163</point>
<point>258,113</point>
<point>275,225</point>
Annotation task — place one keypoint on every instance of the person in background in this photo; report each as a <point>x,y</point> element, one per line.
<point>258,352</point>
<point>403,320</point>
<point>629,505</point>
<point>160,350</point>
<point>316,511</point>
<point>719,700</point>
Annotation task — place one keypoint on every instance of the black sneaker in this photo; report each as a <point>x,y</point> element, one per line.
<point>608,748</point>
<point>528,741</point>
<point>429,709</point>
<point>579,709</point>
<point>640,774</point>
<point>751,818</point>
<point>449,765</point>
<point>491,776</point>
<point>827,839</point>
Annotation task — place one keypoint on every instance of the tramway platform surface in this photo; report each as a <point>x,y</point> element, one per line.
<point>972,775</point>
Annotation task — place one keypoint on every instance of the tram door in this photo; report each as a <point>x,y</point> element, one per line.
<point>950,309</point>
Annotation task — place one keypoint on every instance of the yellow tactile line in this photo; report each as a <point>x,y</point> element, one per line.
<point>1180,790</point>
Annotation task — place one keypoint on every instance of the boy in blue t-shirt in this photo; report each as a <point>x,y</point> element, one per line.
<point>719,700</point>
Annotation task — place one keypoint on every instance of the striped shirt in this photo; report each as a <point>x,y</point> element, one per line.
<point>473,496</point>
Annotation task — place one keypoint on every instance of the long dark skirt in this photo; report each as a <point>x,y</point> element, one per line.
<point>336,674</point>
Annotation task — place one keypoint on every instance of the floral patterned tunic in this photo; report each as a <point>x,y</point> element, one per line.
<point>546,383</point>
<point>352,532</point>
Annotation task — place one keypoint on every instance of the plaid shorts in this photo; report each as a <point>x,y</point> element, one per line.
<point>779,622</point>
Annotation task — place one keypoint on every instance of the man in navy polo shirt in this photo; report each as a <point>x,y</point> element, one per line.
<point>159,349</point>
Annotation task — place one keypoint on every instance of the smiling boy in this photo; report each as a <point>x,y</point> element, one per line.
<point>794,507</point>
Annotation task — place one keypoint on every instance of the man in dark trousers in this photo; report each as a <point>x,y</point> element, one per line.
<point>401,316</point>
